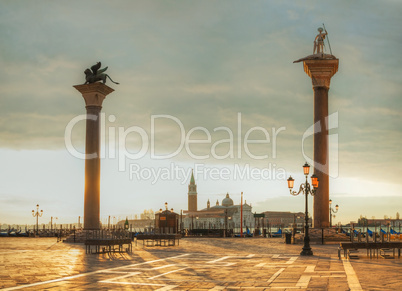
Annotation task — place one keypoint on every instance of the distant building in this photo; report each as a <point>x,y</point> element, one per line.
<point>137,224</point>
<point>192,195</point>
<point>285,218</point>
<point>385,221</point>
<point>215,217</point>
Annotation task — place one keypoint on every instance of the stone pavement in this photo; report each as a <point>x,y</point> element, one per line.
<point>196,264</point>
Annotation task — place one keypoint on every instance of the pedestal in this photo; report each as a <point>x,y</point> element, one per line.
<point>93,94</point>
<point>321,70</point>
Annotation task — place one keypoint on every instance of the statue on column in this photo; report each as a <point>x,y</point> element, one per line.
<point>318,52</point>
<point>94,74</point>
<point>319,41</point>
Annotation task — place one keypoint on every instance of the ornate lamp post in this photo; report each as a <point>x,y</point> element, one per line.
<point>126,223</point>
<point>307,190</point>
<point>51,221</point>
<point>37,214</point>
<point>166,212</point>
<point>226,223</point>
<point>332,210</point>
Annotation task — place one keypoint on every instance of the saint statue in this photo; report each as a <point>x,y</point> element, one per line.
<point>319,41</point>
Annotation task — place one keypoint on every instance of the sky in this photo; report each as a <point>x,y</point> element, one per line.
<point>217,72</point>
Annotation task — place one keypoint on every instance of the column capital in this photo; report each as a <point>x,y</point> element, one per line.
<point>94,93</point>
<point>321,71</point>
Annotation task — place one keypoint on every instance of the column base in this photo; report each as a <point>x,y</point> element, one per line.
<point>306,252</point>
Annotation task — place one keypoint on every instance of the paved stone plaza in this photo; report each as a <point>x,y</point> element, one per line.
<point>196,264</point>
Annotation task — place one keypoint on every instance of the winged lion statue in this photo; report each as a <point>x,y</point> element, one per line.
<point>96,74</point>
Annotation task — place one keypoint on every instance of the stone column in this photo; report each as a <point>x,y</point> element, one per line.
<point>321,71</point>
<point>93,94</point>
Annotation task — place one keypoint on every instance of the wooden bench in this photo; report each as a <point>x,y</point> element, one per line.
<point>371,248</point>
<point>158,240</point>
<point>108,245</point>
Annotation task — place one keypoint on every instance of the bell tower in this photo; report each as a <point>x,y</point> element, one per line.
<point>192,194</point>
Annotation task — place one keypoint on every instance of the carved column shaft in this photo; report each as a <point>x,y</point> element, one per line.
<point>321,156</point>
<point>92,168</point>
<point>321,71</point>
<point>93,94</point>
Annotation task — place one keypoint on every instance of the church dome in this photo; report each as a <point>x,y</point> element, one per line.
<point>227,201</point>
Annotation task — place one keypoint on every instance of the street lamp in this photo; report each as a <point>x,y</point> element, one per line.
<point>166,212</point>
<point>51,221</point>
<point>306,189</point>
<point>37,214</point>
<point>226,223</point>
<point>332,210</point>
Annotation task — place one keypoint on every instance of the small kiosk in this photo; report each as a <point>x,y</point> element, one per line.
<point>167,221</point>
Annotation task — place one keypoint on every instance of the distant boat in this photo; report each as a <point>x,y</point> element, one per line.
<point>22,234</point>
<point>248,233</point>
<point>13,232</point>
<point>278,233</point>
